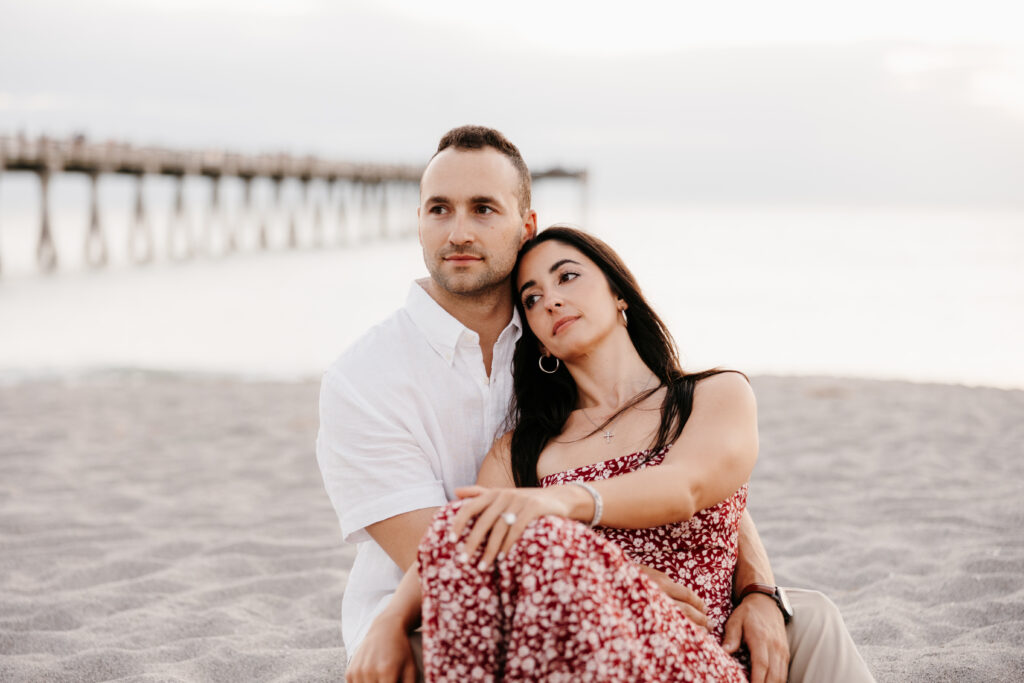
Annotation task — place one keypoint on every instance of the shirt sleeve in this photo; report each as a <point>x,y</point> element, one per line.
<point>372,465</point>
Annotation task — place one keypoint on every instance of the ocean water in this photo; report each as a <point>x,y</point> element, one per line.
<point>924,295</point>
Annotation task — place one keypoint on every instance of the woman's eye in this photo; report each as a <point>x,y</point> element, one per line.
<point>529,301</point>
<point>565,277</point>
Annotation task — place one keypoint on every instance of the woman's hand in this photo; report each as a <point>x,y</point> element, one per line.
<point>384,656</point>
<point>492,508</point>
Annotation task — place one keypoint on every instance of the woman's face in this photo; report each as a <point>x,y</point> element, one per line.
<point>568,302</point>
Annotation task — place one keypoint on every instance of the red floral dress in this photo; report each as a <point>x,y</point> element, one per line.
<point>569,603</point>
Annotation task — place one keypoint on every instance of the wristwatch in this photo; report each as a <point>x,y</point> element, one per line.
<point>773,592</point>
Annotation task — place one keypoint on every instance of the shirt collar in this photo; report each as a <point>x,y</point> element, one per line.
<point>514,327</point>
<point>440,328</point>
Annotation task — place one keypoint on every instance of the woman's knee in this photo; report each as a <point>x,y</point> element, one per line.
<point>438,537</point>
<point>539,535</point>
<point>551,534</point>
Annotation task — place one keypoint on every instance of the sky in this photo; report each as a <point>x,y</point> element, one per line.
<point>793,103</point>
<point>843,178</point>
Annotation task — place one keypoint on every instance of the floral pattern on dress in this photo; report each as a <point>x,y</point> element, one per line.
<point>700,553</point>
<point>570,603</point>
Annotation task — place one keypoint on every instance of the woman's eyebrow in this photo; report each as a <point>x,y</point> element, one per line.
<point>559,264</point>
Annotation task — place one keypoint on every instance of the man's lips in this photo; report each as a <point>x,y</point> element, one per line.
<point>562,323</point>
<point>462,258</point>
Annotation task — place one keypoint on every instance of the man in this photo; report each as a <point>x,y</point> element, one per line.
<point>409,411</point>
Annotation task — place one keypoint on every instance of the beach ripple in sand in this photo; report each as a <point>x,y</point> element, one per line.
<point>157,527</point>
<point>903,502</point>
<point>162,528</point>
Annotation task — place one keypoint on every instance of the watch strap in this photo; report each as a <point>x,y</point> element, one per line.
<point>772,592</point>
<point>757,588</point>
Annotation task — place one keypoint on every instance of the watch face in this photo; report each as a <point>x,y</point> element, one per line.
<point>784,601</point>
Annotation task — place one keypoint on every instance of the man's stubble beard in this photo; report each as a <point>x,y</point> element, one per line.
<point>465,285</point>
<point>495,275</point>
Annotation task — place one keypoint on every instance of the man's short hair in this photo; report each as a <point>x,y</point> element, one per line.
<point>478,137</point>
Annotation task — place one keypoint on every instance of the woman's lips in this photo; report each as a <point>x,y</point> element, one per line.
<point>563,323</point>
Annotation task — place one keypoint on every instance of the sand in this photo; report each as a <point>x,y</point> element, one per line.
<point>174,528</point>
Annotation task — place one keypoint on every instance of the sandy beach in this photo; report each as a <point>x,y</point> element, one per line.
<point>160,527</point>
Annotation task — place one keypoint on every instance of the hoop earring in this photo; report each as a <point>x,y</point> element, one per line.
<point>625,320</point>
<point>540,362</point>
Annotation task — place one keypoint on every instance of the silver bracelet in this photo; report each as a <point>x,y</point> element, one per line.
<point>598,503</point>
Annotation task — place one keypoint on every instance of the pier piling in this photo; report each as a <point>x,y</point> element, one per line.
<point>326,193</point>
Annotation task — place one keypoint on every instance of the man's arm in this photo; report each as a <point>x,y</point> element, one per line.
<point>757,620</point>
<point>374,469</point>
<point>400,535</point>
<point>752,565</point>
<point>386,653</point>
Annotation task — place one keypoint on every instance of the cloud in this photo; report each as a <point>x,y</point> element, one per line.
<point>32,102</point>
<point>885,122</point>
<point>987,76</point>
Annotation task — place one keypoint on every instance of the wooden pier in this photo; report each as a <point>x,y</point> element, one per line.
<point>373,184</point>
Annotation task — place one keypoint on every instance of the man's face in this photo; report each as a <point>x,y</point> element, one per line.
<point>469,221</point>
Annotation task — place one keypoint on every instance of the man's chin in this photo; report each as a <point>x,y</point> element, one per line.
<point>468,285</point>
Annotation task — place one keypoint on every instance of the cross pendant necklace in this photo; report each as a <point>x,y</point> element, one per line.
<point>608,434</point>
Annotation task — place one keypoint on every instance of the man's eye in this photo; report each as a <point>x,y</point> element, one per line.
<point>484,210</point>
<point>437,209</point>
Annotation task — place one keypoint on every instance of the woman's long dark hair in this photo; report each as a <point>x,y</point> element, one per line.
<point>541,403</point>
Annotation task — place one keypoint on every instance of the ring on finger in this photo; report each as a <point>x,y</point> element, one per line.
<point>509,518</point>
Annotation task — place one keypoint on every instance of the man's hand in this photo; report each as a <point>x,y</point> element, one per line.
<point>686,600</point>
<point>384,656</point>
<point>758,622</point>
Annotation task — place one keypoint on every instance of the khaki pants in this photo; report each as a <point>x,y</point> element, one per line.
<point>820,647</point>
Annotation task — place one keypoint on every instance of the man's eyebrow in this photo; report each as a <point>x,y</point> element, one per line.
<point>559,264</point>
<point>483,199</point>
<point>437,199</point>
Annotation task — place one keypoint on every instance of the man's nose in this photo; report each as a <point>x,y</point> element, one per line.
<point>460,229</point>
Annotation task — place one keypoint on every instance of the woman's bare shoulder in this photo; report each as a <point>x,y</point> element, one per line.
<point>724,388</point>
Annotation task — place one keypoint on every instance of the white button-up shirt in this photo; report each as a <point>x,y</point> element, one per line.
<point>406,416</point>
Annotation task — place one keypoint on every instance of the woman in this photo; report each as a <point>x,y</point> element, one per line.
<point>509,584</point>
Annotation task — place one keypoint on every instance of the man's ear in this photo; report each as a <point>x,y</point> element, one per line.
<point>529,227</point>
<point>419,226</point>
